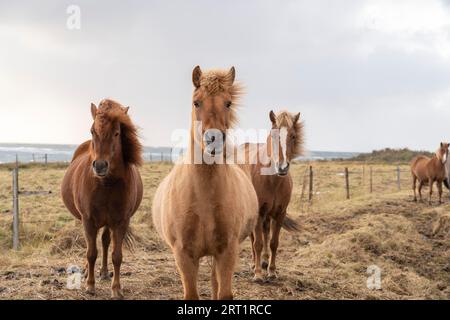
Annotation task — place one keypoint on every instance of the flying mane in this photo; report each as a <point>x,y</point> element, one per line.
<point>110,111</point>
<point>218,81</point>
<point>286,119</point>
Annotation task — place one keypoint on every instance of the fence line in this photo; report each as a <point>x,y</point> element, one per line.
<point>347,174</point>
<point>308,184</point>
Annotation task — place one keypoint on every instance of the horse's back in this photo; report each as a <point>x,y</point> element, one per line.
<point>419,167</point>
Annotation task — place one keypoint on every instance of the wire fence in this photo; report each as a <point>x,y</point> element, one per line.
<point>313,184</point>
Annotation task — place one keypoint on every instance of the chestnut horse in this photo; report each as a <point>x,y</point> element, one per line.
<point>273,185</point>
<point>203,209</point>
<point>428,171</point>
<point>103,188</point>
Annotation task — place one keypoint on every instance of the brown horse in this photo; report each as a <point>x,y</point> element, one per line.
<point>102,187</point>
<point>207,209</point>
<point>273,185</point>
<point>432,170</point>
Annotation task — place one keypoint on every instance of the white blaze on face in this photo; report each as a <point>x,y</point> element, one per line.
<point>283,145</point>
<point>444,158</point>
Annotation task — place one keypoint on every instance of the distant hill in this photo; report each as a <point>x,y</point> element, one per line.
<point>389,155</point>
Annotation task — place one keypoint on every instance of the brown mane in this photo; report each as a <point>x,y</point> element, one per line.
<point>111,111</point>
<point>286,119</point>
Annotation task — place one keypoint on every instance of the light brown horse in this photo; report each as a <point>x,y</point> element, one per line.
<point>428,171</point>
<point>103,188</point>
<point>207,209</point>
<point>273,185</point>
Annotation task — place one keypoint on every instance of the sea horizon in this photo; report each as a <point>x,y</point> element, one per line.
<point>48,152</point>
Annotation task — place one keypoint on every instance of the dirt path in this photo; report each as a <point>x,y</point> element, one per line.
<point>327,259</point>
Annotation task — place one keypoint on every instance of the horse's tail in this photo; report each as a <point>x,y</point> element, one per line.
<point>129,239</point>
<point>446,183</point>
<point>290,224</point>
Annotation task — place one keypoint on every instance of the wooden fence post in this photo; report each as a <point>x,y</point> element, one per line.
<point>363,175</point>
<point>310,183</point>
<point>347,185</point>
<point>371,180</point>
<point>398,178</point>
<point>16,208</point>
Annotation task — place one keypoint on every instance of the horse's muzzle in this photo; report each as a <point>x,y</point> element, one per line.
<point>100,167</point>
<point>283,171</point>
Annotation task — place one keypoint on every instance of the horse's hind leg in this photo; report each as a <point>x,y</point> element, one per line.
<point>276,228</point>
<point>118,234</point>
<point>265,255</point>
<point>90,232</point>
<point>226,262</point>
<point>414,187</point>
<point>106,240</point>
<point>420,190</point>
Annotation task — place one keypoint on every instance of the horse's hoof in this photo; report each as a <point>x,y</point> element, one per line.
<point>264,265</point>
<point>117,295</point>
<point>258,279</point>
<point>272,275</point>
<point>90,290</point>
<point>105,275</point>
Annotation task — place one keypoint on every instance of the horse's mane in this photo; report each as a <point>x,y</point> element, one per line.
<point>216,81</point>
<point>286,119</point>
<point>111,111</point>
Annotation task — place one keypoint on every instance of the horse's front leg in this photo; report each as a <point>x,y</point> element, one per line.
<point>90,232</point>
<point>266,236</point>
<point>106,240</point>
<point>118,234</point>
<point>439,186</point>
<point>225,264</point>
<point>276,228</point>
<point>258,245</point>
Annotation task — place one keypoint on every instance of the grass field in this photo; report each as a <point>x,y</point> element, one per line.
<point>327,259</point>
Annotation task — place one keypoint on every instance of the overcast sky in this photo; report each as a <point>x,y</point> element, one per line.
<point>364,74</point>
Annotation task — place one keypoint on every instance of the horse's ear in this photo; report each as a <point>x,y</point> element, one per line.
<point>231,75</point>
<point>196,75</point>
<point>93,110</point>
<point>125,109</point>
<point>297,116</point>
<point>272,117</point>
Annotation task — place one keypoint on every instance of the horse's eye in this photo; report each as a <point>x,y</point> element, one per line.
<point>293,136</point>
<point>196,104</point>
<point>116,134</point>
<point>228,104</point>
<point>92,131</point>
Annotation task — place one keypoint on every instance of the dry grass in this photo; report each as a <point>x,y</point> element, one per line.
<point>328,259</point>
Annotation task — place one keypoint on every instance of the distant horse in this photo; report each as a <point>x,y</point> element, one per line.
<point>273,188</point>
<point>207,209</point>
<point>103,188</point>
<point>432,170</point>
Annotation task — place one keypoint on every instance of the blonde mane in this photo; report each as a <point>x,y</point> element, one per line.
<point>286,119</point>
<point>217,81</point>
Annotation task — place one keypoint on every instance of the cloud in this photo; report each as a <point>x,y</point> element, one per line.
<point>364,74</point>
